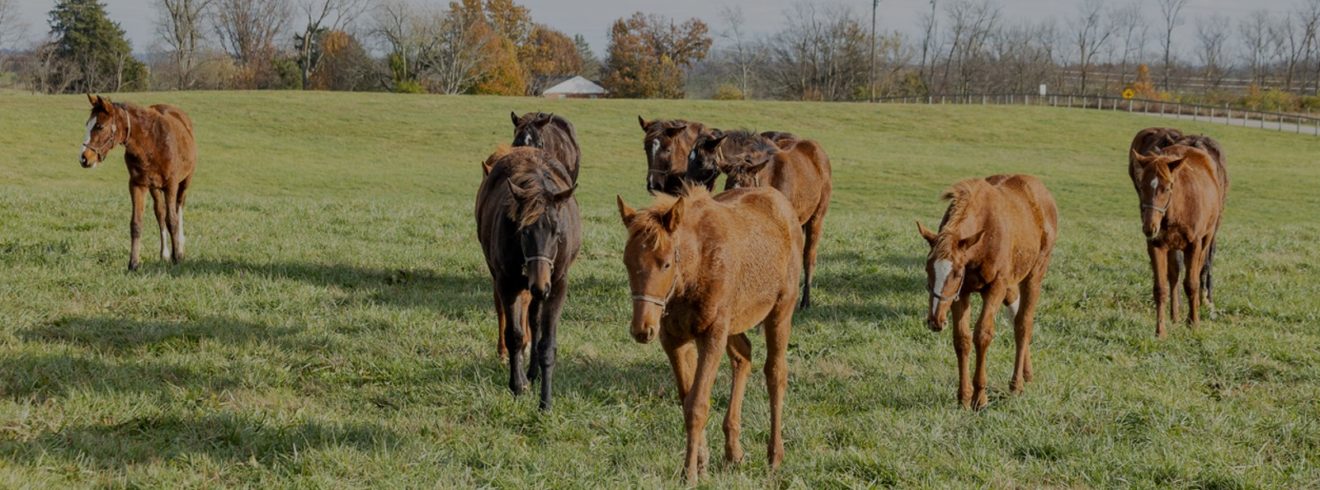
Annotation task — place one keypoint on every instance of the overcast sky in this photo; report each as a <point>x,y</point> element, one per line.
<point>592,18</point>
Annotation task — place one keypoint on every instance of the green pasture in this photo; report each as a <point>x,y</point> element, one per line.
<point>333,326</point>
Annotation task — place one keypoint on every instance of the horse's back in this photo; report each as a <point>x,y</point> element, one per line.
<point>804,175</point>
<point>176,113</point>
<point>1035,198</point>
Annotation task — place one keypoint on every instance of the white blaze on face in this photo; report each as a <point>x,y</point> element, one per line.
<point>1154,183</point>
<point>942,269</point>
<point>655,148</point>
<point>91,123</point>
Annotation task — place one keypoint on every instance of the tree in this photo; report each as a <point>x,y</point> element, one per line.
<point>591,66</point>
<point>180,26</point>
<point>321,17</point>
<point>85,38</point>
<point>247,30</point>
<point>11,28</point>
<point>744,55</point>
<point>1172,12</point>
<point>648,55</point>
<point>1132,31</point>
<point>1255,31</point>
<point>344,64</point>
<point>821,54</point>
<point>1091,33</point>
<point>550,55</point>
<point>1212,35</point>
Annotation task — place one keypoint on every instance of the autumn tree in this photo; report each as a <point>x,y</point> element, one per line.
<point>96,49</point>
<point>550,55</point>
<point>321,18</point>
<point>649,55</point>
<point>344,64</point>
<point>248,31</point>
<point>180,27</point>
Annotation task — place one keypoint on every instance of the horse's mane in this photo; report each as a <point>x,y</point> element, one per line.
<point>960,196</point>
<point>739,141</point>
<point>539,178</point>
<point>658,126</point>
<point>647,224</point>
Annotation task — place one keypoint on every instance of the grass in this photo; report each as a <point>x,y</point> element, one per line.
<point>333,327</point>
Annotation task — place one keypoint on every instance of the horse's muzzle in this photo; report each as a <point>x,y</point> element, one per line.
<point>88,162</point>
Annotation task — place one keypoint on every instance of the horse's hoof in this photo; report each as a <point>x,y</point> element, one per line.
<point>133,266</point>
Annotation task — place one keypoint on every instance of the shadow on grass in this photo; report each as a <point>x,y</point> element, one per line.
<point>223,437</point>
<point>117,335</point>
<point>849,289</point>
<point>43,376</point>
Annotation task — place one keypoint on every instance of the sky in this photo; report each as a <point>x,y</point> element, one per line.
<point>592,18</point>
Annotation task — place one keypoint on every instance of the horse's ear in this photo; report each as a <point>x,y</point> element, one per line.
<point>517,191</point>
<point>757,166</point>
<point>94,99</point>
<point>1139,158</point>
<point>486,166</point>
<point>643,122</point>
<point>674,128</point>
<point>542,118</point>
<point>514,116</point>
<point>674,216</point>
<point>926,233</point>
<point>971,240</point>
<point>625,211</point>
<point>566,194</point>
<point>1174,164</point>
<point>714,141</point>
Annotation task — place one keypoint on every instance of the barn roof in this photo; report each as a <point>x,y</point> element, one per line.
<point>576,86</point>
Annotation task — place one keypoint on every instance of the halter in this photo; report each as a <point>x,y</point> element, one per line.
<point>128,131</point>
<point>1161,210</point>
<point>539,258</point>
<point>672,287</point>
<point>956,295</point>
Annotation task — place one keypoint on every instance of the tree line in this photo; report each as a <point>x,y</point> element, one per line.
<point>821,51</point>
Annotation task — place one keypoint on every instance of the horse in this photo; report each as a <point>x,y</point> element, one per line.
<point>995,239</point>
<point>1182,192</point>
<point>667,144</point>
<point>1149,142</point>
<point>161,156</point>
<point>530,230</point>
<point>799,168</point>
<point>702,272</point>
<point>552,133</point>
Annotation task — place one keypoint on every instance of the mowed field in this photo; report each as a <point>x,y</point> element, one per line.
<point>333,326</point>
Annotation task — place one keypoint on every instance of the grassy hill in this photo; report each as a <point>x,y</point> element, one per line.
<point>333,324</point>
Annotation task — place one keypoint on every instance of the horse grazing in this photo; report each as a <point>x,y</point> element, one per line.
<point>1182,190</point>
<point>530,232</point>
<point>667,144</point>
<point>161,155</point>
<point>551,133</point>
<point>703,271</point>
<point>995,239</point>
<point>1150,142</point>
<point>799,168</point>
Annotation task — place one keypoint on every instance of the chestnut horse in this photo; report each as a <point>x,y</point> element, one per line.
<point>552,133</point>
<point>1149,142</point>
<point>667,144</point>
<point>799,168</point>
<point>995,239</point>
<point>703,271</point>
<point>161,155</point>
<point>530,232</point>
<point>1182,190</point>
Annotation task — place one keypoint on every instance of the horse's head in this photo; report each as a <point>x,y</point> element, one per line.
<point>1155,177</point>
<point>651,257</point>
<point>540,231</point>
<point>107,126</point>
<point>527,128</point>
<point>946,270</point>
<point>741,155</point>
<point>667,144</point>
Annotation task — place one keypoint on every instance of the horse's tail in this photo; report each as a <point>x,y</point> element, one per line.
<point>1208,274</point>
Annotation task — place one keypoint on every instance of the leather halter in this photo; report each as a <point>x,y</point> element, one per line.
<point>956,295</point>
<point>672,287</point>
<point>128,131</point>
<point>539,258</point>
<point>1161,210</point>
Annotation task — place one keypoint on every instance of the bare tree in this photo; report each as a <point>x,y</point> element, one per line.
<point>321,16</point>
<point>820,54</point>
<point>970,26</point>
<point>247,30</point>
<point>1291,39</point>
<point>744,54</point>
<point>1172,12</point>
<point>1212,34</point>
<point>180,27</point>
<point>929,22</point>
<point>1091,32</point>
<point>1255,31</point>
<point>1132,31</point>
<point>11,28</point>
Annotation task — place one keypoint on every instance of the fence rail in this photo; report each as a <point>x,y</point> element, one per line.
<point>1277,121</point>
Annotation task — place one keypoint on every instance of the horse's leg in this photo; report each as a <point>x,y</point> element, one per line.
<point>962,346</point>
<point>985,332</point>
<point>778,326</point>
<point>502,319</point>
<point>1024,321</point>
<point>172,216</point>
<point>1175,265</point>
<point>812,230</point>
<point>682,355</point>
<point>158,199</point>
<point>696,408</point>
<point>534,308</point>
<point>548,343</point>
<point>1159,266</point>
<point>139,195</point>
<point>1195,261</point>
<point>182,200</point>
<point>515,310</point>
<point>1033,290</point>
<point>740,363</point>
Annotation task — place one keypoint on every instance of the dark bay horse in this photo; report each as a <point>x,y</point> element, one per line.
<point>703,271</point>
<point>1150,142</point>
<point>551,133</point>
<point>799,168</point>
<point>530,232</point>
<point>667,144</point>
<point>995,239</point>
<point>1182,190</point>
<point>161,155</point>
